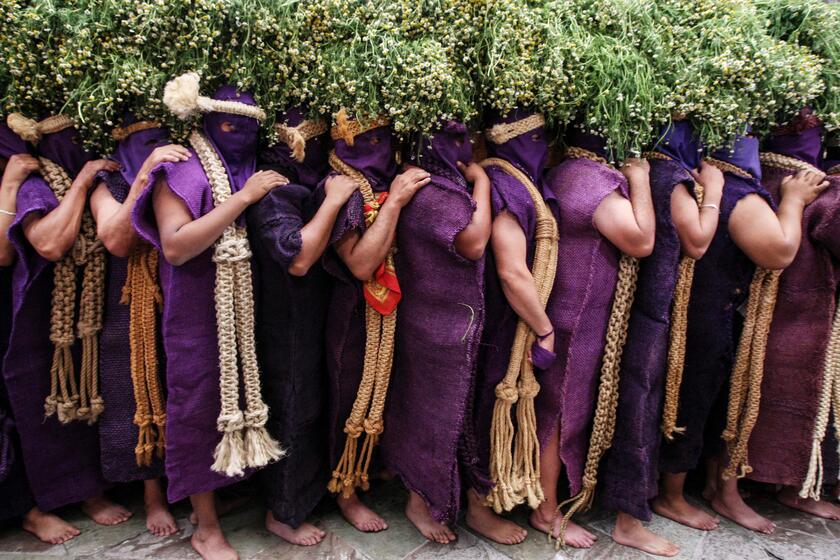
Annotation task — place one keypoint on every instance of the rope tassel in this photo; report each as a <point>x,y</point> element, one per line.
<point>245,441</point>
<point>515,455</point>
<point>382,296</point>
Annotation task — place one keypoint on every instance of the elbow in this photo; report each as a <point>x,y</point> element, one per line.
<point>361,272</point>
<point>512,277</point>
<point>775,262</point>
<point>174,255</point>
<point>52,250</point>
<point>643,248</point>
<point>693,252</point>
<point>299,268</point>
<point>114,244</point>
<point>472,251</point>
<point>7,258</point>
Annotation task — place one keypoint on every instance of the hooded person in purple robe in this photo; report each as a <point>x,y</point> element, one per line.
<point>289,234</point>
<point>367,151</point>
<point>441,236</point>
<point>786,443</point>
<point>603,213</point>
<point>629,474</point>
<point>143,145</point>
<point>180,218</point>
<point>510,293</point>
<point>61,460</point>
<point>750,234</point>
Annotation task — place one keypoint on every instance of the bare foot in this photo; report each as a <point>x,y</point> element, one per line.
<point>211,544</point>
<point>482,520</point>
<point>159,521</point>
<point>360,516</point>
<point>418,513</point>
<point>789,497</point>
<point>104,511</point>
<point>731,506</point>
<point>678,509</point>
<point>305,535</point>
<point>49,528</point>
<point>576,535</point>
<point>629,531</point>
<point>224,507</point>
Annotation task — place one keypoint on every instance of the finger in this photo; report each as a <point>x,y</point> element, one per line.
<point>461,166</point>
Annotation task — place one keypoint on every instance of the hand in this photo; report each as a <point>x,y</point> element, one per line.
<point>19,167</point>
<point>635,168</point>
<point>805,186</point>
<point>472,171</point>
<point>88,173</point>
<point>260,184</point>
<point>710,178</point>
<point>406,184</point>
<point>339,188</point>
<point>171,153</point>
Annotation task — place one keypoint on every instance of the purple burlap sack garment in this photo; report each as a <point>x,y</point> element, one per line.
<point>579,309</point>
<point>721,284</point>
<point>290,323</point>
<point>528,152</point>
<point>629,473</point>
<point>189,313</point>
<point>118,434</point>
<point>15,496</point>
<point>780,446</point>
<point>372,154</point>
<point>61,460</point>
<point>441,319</point>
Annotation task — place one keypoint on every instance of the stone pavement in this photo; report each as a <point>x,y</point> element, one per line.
<point>798,536</point>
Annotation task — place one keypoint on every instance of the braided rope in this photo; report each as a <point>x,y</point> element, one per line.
<point>779,161</point>
<point>833,170</point>
<point>603,425</point>
<point>142,294</point>
<point>515,458</point>
<point>347,129</point>
<point>71,398</point>
<point>748,372</point>
<point>296,136</point>
<point>504,132</point>
<point>366,416</point>
<point>573,152</point>
<point>245,441</point>
<point>120,133</point>
<point>726,166</point>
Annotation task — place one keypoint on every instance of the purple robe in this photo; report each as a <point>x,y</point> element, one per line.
<point>441,316</point>
<point>291,318</point>
<point>721,284</point>
<point>117,431</point>
<point>780,446</point>
<point>528,152</point>
<point>629,474</point>
<point>189,312</point>
<point>61,460</point>
<point>579,308</point>
<point>372,154</point>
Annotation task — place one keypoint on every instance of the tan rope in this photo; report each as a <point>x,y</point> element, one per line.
<point>295,137</point>
<point>347,128</point>
<point>120,133</point>
<point>71,398</point>
<point>503,132</point>
<point>573,152</point>
<point>603,425</point>
<point>833,170</point>
<point>677,339</point>
<point>787,163</point>
<point>142,294</point>
<point>515,458</point>
<point>748,371</point>
<point>245,441</point>
<point>366,416</point>
<point>726,166</point>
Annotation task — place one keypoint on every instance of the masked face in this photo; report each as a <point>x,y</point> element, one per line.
<point>445,148</point>
<point>10,143</point>
<point>132,152</point>
<point>372,154</point>
<point>528,151</point>
<point>681,144</point>
<point>743,154</point>
<point>65,148</point>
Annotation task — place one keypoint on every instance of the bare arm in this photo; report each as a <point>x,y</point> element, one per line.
<point>630,225</point>
<point>472,241</point>
<point>364,253</point>
<point>316,234</point>
<point>113,219</point>
<point>183,238</point>
<point>17,170</point>
<point>696,226</point>
<point>510,251</point>
<point>53,234</point>
<point>770,239</point>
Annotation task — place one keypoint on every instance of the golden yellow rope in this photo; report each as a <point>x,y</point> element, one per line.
<point>603,425</point>
<point>573,152</point>
<point>515,459</point>
<point>748,371</point>
<point>351,472</point>
<point>366,416</point>
<point>71,398</point>
<point>786,163</point>
<point>726,166</point>
<point>503,132</point>
<point>834,170</point>
<point>245,441</point>
<point>142,294</point>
